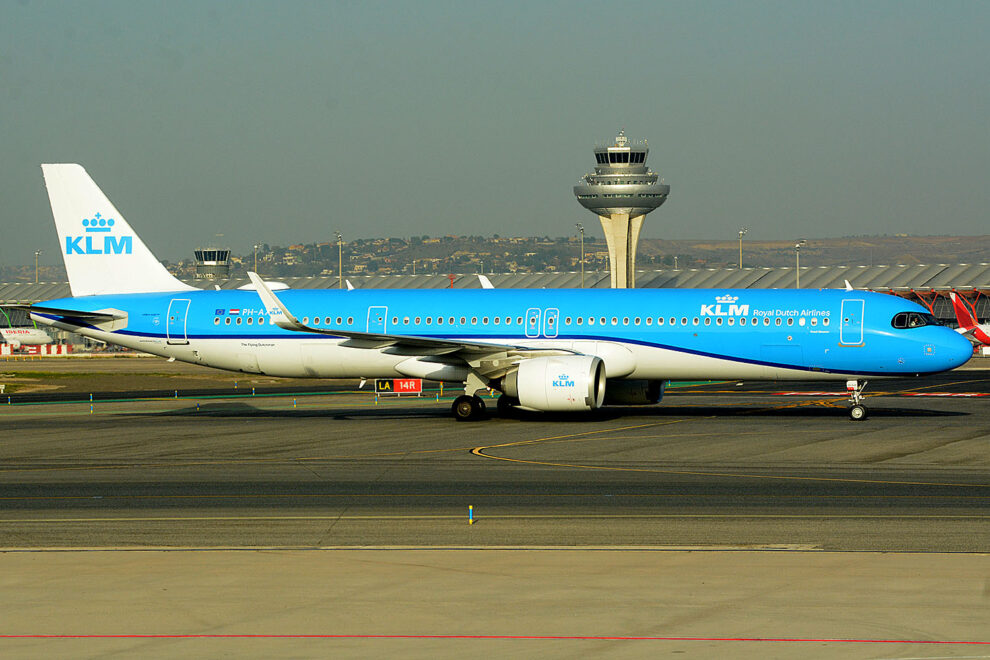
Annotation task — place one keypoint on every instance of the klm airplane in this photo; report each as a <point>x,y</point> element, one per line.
<point>544,350</point>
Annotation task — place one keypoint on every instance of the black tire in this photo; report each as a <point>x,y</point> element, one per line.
<point>467,408</point>
<point>857,413</point>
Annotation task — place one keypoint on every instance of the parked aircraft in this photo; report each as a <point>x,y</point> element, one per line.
<point>544,350</point>
<point>969,325</point>
<point>18,337</point>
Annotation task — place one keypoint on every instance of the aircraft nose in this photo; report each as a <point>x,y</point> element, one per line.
<point>957,350</point>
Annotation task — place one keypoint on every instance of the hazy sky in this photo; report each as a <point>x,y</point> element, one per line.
<point>281,122</point>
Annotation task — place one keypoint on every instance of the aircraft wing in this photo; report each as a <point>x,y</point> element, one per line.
<point>284,319</point>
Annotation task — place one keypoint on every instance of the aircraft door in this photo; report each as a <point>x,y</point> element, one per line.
<point>550,321</point>
<point>851,323</point>
<point>533,322</point>
<point>377,319</point>
<point>175,327</point>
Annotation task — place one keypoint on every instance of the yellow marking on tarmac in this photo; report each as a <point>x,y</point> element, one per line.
<point>602,495</point>
<point>480,451</point>
<point>500,516</point>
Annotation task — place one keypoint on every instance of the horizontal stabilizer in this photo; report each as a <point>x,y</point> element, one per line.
<point>101,316</point>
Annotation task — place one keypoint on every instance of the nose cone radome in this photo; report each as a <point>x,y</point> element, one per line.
<point>956,350</point>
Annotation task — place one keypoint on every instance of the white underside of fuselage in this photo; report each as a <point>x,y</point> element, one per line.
<point>328,357</point>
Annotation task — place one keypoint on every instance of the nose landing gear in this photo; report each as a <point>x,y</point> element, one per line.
<point>857,411</point>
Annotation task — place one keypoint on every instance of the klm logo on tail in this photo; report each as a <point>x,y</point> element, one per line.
<point>91,244</point>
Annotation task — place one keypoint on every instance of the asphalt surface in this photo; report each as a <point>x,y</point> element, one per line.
<point>722,465</point>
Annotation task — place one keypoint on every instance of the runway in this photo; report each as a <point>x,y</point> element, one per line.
<point>714,466</point>
<point>732,520</point>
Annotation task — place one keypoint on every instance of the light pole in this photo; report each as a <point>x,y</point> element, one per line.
<point>255,257</point>
<point>340,262</point>
<point>797,262</point>
<point>36,254</point>
<point>581,229</point>
<point>742,232</point>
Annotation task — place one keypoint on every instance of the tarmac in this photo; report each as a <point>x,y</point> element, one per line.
<point>751,520</point>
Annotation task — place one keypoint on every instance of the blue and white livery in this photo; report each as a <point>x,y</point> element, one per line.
<point>547,350</point>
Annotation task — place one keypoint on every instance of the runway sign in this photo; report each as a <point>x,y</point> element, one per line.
<point>399,386</point>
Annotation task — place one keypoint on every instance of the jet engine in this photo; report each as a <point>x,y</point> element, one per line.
<point>634,392</point>
<point>558,384</point>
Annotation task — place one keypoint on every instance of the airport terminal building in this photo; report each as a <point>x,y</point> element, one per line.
<point>928,285</point>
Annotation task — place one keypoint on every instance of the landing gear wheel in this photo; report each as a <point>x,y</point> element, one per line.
<point>857,413</point>
<point>468,408</point>
<point>506,405</point>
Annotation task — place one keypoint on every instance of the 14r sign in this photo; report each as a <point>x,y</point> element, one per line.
<point>399,386</point>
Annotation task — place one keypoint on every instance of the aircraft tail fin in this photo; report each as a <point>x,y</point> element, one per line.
<point>963,316</point>
<point>102,254</point>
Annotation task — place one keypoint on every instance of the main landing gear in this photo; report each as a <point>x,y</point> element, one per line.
<point>857,411</point>
<point>468,408</point>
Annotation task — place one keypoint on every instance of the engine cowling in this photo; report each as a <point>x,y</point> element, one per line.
<point>558,384</point>
<point>634,392</point>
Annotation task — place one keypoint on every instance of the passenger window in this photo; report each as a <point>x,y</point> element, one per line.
<point>683,320</point>
<point>439,320</point>
<point>451,320</point>
<point>790,321</point>
<point>814,322</point>
<point>636,321</point>
<point>216,320</point>
<point>603,321</point>
<point>673,321</point>
<point>251,320</point>
<point>429,320</point>
<point>649,320</point>
<point>591,320</point>
<point>567,321</point>
<point>316,320</point>
<point>305,320</point>
<point>615,321</point>
<point>777,321</point>
<point>463,320</point>
<point>708,320</point>
<point>718,321</point>
<point>350,320</point>
<point>227,321</point>
<point>695,321</point>
<point>497,319</point>
<point>405,320</point>
<point>625,320</point>
<point>485,320</point>
<point>417,320</point>
<point>732,321</point>
<point>339,320</point>
<point>580,320</point>
<point>766,320</point>
<point>395,320</point>
<point>329,321</point>
<point>239,321</point>
<point>825,321</point>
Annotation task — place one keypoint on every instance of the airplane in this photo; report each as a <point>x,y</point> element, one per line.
<point>969,326</point>
<point>18,337</point>
<point>558,350</point>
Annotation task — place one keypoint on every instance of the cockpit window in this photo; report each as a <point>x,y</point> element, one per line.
<point>913,320</point>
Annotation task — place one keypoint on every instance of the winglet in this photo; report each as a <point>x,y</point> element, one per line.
<point>849,287</point>
<point>350,287</point>
<point>485,282</point>
<point>279,313</point>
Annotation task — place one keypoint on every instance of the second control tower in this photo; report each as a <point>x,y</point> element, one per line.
<point>621,192</point>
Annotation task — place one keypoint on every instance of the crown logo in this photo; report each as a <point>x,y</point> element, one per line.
<point>562,377</point>
<point>726,299</point>
<point>97,223</point>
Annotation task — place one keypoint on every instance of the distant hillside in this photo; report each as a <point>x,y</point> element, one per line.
<point>472,254</point>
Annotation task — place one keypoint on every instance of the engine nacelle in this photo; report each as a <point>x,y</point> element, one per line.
<point>558,384</point>
<point>634,392</point>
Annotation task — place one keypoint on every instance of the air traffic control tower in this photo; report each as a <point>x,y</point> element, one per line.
<point>621,192</point>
